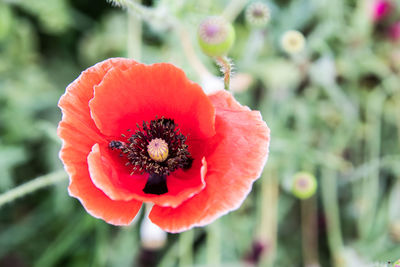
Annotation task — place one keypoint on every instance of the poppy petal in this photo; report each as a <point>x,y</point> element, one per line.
<point>74,103</point>
<point>236,157</point>
<point>79,133</point>
<point>142,92</point>
<point>110,175</point>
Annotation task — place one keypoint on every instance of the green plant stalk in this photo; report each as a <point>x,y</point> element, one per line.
<point>342,102</point>
<point>190,53</point>
<point>269,216</point>
<point>254,45</point>
<point>233,9</point>
<point>396,99</point>
<point>135,9</point>
<point>134,36</point>
<point>309,231</point>
<point>186,240</point>
<point>64,242</point>
<point>370,186</point>
<point>33,185</point>
<point>170,256</point>
<point>226,69</point>
<point>214,244</point>
<point>331,210</point>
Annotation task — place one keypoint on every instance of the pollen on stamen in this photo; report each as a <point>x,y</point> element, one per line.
<point>158,150</point>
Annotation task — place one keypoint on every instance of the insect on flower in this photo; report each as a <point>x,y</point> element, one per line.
<point>135,133</point>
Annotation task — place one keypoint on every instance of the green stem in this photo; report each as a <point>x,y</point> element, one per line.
<point>33,185</point>
<point>214,244</point>
<point>269,216</point>
<point>309,231</point>
<point>151,15</point>
<point>331,210</point>
<point>134,37</point>
<point>233,9</point>
<point>370,186</point>
<point>254,45</point>
<point>148,14</point>
<point>190,53</point>
<point>134,7</point>
<point>186,248</point>
<point>226,68</point>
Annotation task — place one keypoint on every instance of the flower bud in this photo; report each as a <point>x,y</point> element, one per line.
<point>293,42</point>
<point>304,185</point>
<point>216,36</point>
<point>257,14</point>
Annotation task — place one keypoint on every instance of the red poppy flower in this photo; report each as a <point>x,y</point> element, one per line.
<point>135,133</point>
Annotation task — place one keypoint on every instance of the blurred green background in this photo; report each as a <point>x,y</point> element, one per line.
<point>333,110</point>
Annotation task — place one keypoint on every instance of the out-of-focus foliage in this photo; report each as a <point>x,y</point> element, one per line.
<point>333,110</point>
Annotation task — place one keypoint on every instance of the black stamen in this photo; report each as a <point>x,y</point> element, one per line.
<point>156,184</point>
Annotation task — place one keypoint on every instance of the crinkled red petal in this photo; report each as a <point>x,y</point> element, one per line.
<point>79,133</point>
<point>142,92</point>
<point>235,155</point>
<point>109,173</point>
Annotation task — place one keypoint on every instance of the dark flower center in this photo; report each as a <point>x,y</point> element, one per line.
<point>258,13</point>
<point>157,148</point>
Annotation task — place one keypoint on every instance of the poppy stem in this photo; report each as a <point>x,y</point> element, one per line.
<point>33,185</point>
<point>148,14</point>
<point>135,8</point>
<point>226,68</point>
<point>369,187</point>
<point>233,9</point>
<point>268,228</point>
<point>190,53</point>
<point>331,210</point>
<point>214,244</point>
<point>186,240</point>
<point>134,35</point>
<point>309,231</point>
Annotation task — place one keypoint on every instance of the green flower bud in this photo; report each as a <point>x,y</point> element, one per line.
<point>257,14</point>
<point>304,185</point>
<point>216,36</point>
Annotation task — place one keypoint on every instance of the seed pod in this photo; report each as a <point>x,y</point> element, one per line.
<point>216,36</point>
<point>293,42</point>
<point>258,14</point>
<point>304,185</point>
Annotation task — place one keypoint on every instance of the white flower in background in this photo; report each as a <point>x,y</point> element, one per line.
<point>211,83</point>
<point>240,83</point>
<point>293,42</point>
<point>151,236</point>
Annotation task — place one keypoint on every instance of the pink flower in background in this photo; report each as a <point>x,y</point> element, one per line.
<point>394,31</point>
<point>380,9</point>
